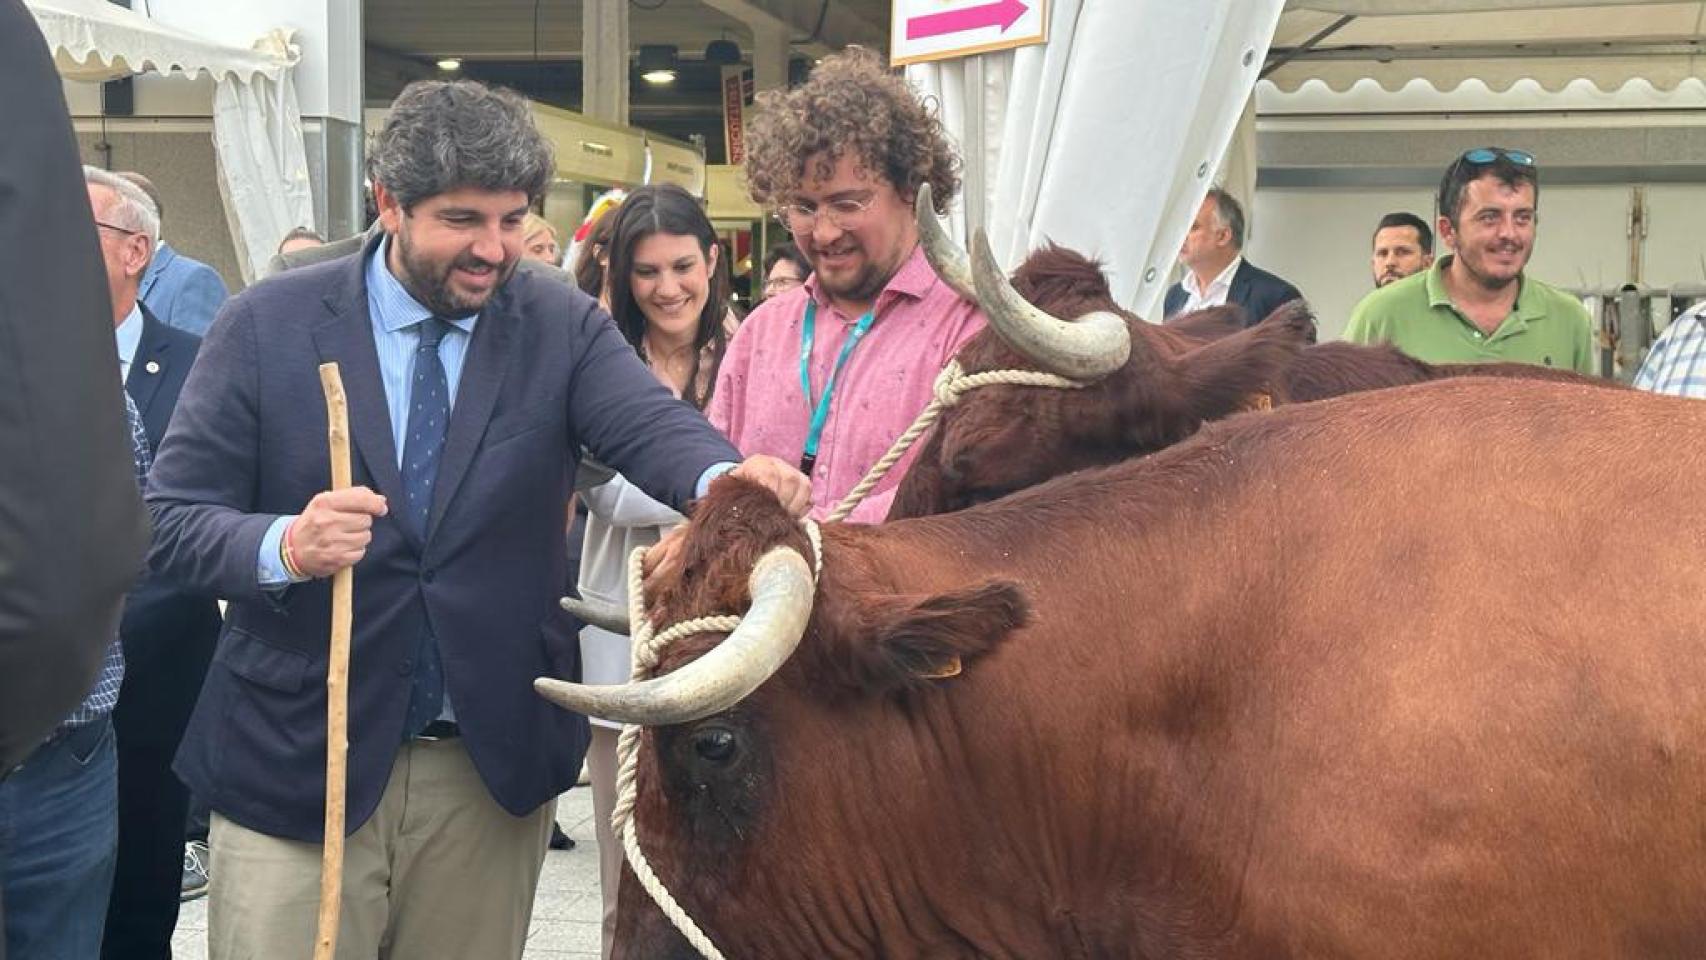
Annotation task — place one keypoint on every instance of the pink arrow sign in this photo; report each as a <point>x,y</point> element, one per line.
<point>1002,13</point>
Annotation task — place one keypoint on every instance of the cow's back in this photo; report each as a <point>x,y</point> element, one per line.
<point>1407,674</point>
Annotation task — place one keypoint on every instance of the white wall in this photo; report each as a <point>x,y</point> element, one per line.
<point>1319,239</point>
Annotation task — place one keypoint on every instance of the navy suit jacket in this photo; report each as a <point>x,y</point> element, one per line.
<point>168,634</point>
<point>182,292</point>
<point>1256,290</point>
<point>546,373</point>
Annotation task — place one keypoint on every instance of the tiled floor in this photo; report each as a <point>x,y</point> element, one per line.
<point>565,913</point>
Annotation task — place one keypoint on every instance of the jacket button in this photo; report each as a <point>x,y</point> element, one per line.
<point>428,574</point>
<point>406,668</point>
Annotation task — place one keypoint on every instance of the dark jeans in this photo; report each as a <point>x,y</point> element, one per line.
<point>58,843</point>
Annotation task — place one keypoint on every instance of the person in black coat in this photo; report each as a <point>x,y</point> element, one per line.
<point>72,527</point>
<point>1216,271</point>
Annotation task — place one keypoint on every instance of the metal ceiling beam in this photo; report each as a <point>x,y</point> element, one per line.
<point>819,27</point>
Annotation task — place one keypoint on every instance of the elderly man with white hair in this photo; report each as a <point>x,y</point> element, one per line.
<point>168,635</point>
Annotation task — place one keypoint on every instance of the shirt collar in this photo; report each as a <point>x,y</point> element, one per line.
<point>1221,281</point>
<point>394,308</point>
<point>913,281</point>
<point>129,333</point>
<point>1530,304</point>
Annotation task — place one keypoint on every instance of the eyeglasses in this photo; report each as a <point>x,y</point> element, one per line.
<point>782,283</point>
<point>843,214</point>
<point>1484,155</point>
<point>117,229</point>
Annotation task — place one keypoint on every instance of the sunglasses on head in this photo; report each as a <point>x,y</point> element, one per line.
<point>1481,155</point>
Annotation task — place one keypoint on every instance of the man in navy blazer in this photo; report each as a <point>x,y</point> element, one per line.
<point>471,388</point>
<point>183,292</point>
<point>1216,271</point>
<point>167,635</point>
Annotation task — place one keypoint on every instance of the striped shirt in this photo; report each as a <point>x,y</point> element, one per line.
<point>104,696</point>
<point>1676,364</point>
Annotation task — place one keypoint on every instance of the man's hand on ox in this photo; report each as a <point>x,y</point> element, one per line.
<point>663,561</point>
<point>333,531</point>
<point>790,485</point>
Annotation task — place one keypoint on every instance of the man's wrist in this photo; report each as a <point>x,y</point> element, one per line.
<point>287,556</point>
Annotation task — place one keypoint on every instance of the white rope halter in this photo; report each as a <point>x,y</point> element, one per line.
<point>951,384</point>
<point>648,647</point>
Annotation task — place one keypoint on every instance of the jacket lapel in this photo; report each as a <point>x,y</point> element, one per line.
<point>476,393</point>
<point>488,360</point>
<point>345,336</point>
<point>148,368</point>
<point>1238,291</point>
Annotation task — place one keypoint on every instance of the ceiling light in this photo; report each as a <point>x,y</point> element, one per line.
<point>450,63</point>
<point>658,78</point>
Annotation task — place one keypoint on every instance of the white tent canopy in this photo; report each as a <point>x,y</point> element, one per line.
<point>96,40</point>
<point>1447,42</point>
<point>257,127</point>
<point>1106,138</point>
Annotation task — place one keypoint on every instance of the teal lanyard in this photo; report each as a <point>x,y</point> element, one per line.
<point>820,413</point>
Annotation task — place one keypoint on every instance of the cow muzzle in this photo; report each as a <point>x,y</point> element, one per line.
<point>781,585</point>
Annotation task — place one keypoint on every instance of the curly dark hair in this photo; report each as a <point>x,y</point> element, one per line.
<point>851,104</point>
<point>446,135</point>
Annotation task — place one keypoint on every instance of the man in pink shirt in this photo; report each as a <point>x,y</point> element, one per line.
<point>830,373</point>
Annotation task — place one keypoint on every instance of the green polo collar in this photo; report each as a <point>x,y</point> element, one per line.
<point>1530,302</point>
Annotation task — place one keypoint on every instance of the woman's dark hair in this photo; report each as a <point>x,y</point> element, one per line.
<point>666,208</point>
<point>589,273</point>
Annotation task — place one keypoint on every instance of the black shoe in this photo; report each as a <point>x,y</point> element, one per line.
<point>560,840</point>
<point>194,884</point>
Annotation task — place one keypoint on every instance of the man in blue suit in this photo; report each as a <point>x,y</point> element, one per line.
<point>168,635</point>
<point>471,387</point>
<point>181,291</point>
<point>1216,271</point>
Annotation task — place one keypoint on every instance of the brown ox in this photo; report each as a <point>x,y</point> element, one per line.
<point>1176,376</point>
<point>1349,679</point>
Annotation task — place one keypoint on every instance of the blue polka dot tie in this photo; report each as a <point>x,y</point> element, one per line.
<point>429,415</point>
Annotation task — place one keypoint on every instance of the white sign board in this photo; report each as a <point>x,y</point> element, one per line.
<point>941,29</point>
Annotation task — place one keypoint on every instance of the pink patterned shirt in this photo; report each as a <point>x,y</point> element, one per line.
<point>920,325</point>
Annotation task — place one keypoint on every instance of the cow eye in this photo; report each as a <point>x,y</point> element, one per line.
<point>716,745</point>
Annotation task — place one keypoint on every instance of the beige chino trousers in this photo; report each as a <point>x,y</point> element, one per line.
<point>439,872</point>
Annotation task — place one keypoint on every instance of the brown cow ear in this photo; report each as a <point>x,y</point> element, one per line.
<point>915,641</point>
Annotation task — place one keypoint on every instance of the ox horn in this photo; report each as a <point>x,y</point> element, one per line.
<point>782,588</point>
<point>945,256</point>
<point>604,616</point>
<point>1088,348</point>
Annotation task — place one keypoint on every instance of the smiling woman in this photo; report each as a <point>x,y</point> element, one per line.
<point>666,294</point>
<point>667,298</point>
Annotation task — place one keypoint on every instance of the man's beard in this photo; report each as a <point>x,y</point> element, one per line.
<point>429,282</point>
<point>865,285</point>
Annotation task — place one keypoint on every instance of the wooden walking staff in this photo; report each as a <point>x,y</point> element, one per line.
<point>337,684</point>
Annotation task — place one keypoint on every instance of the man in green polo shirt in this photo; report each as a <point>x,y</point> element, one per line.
<point>1475,305</point>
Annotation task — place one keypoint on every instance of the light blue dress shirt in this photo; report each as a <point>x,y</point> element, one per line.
<point>129,338</point>
<point>396,317</point>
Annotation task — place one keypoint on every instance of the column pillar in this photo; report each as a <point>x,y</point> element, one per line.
<point>604,60</point>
